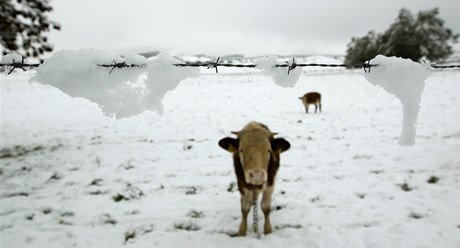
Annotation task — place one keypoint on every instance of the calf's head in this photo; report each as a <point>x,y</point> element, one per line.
<point>255,147</point>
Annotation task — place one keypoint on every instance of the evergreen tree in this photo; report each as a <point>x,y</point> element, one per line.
<point>359,50</point>
<point>434,39</point>
<point>23,24</point>
<point>400,39</point>
<point>408,37</point>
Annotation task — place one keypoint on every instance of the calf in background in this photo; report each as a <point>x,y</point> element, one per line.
<point>311,98</point>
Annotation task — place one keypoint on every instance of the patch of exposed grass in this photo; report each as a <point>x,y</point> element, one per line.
<point>107,219</point>
<point>195,214</point>
<point>95,182</point>
<point>406,187</point>
<point>290,226</point>
<point>56,176</point>
<point>433,179</point>
<point>187,147</point>
<point>47,210</point>
<point>98,192</point>
<point>67,214</point>
<point>64,222</point>
<point>192,190</point>
<point>18,150</point>
<point>277,207</point>
<point>416,216</point>
<point>232,187</point>
<point>187,226</point>
<point>119,197</point>
<point>377,171</point>
<point>361,195</point>
<point>25,194</point>
<point>30,216</point>
<point>129,234</point>
<point>129,193</point>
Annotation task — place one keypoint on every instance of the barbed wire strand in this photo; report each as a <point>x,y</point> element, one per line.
<point>210,65</point>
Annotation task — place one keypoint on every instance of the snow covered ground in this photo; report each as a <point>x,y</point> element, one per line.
<point>72,177</point>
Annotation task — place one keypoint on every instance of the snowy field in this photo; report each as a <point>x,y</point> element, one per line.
<point>72,177</point>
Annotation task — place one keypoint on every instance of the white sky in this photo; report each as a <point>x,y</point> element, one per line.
<point>220,27</point>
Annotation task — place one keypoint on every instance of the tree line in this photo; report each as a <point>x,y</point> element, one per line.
<point>421,37</point>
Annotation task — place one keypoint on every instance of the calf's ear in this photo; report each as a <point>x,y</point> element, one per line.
<point>280,145</point>
<point>229,144</point>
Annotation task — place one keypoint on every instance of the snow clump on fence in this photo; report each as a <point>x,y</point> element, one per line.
<point>121,92</point>
<point>404,79</point>
<point>163,77</point>
<point>11,58</point>
<point>278,74</point>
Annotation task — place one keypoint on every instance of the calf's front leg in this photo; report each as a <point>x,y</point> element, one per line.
<point>266,201</point>
<point>246,203</point>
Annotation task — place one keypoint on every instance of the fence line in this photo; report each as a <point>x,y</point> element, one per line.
<point>290,66</point>
<point>210,65</point>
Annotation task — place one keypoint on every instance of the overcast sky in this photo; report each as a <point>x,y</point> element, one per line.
<point>221,27</point>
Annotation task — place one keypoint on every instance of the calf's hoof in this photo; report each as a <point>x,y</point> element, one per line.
<point>268,229</point>
<point>242,231</point>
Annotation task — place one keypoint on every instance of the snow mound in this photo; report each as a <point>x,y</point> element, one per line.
<point>278,74</point>
<point>10,58</point>
<point>405,79</point>
<point>120,92</point>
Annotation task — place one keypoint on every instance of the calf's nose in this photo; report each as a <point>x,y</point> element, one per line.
<point>256,175</point>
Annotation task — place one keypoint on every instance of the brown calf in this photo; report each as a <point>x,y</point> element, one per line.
<point>311,98</point>
<point>256,159</point>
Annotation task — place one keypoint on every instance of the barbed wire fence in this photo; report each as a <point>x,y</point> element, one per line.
<point>290,66</point>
